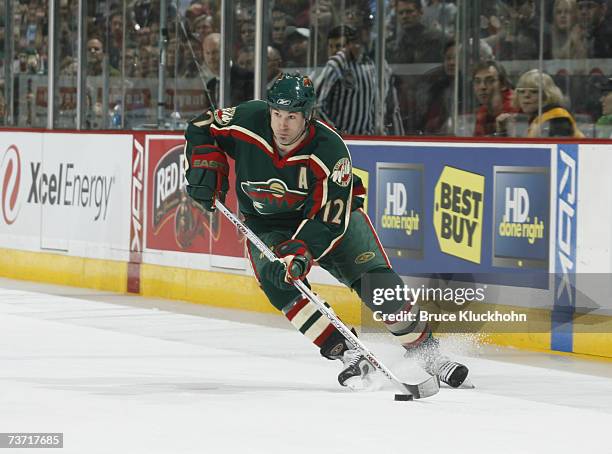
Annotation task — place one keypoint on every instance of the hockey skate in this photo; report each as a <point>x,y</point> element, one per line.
<point>451,373</point>
<point>357,373</point>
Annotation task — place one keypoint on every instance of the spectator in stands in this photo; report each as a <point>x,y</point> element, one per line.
<point>564,18</point>
<point>247,35</point>
<point>116,39</point>
<point>95,57</point>
<point>440,15</point>
<point>35,25</point>
<point>493,92</point>
<point>193,55</point>
<point>211,53</point>
<point>132,64</point>
<point>297,47</point>
<point>555,120</point>
<point>145,13</point>
<point>193,13</point>
<point>173,62</point>
<point>67,28</point>
<point>440,94</point>
<point>358,15</point>
<point>415,42</point>
<point>246,58</point>
<point>144,37</point>
<point>203,26</point>
<point>279,31</point>
<point>149,62</point>
<point>241,81</point>
<point>592,35</point>
<point>518,37</point>
<point>33,63</point>
<point>275,63</point>
<point>297,10</point>
<point>603,127</point>
<point>435,94</point>
<point>69,67</point>
<point>20,62</point>
<point>335,41</point>
<point>67,41</point>
<point>322,19</point>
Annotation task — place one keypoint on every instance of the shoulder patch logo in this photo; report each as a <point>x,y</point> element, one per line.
<point>223,117</point>
<point>364,257</point>
<point>342,172</point>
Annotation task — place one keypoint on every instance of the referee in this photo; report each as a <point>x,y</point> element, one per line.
<point>346,88</point>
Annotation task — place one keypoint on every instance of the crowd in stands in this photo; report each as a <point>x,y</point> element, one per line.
<point>431,77</point>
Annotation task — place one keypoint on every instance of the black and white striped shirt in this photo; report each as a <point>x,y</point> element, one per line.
<point>347,96</point>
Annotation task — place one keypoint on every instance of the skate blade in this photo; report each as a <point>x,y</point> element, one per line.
<point>467,384</point>
<point>355,384</point>
<point>361,383</point>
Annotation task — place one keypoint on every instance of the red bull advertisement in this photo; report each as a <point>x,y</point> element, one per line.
<point>174,221</point>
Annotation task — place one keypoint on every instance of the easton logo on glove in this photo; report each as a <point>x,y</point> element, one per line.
<point>209,157</point>
<point>207,176</point>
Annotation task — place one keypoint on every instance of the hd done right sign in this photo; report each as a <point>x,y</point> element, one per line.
<point>465,208</point>
<point>521,216</point>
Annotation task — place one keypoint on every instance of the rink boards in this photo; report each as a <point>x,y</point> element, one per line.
<point>531,223</point>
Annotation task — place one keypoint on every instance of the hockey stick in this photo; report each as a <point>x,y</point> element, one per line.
<point>426,388</point>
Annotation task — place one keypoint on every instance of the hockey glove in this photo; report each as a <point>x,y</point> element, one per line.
<point>294,263</point>
<point>207,176</point>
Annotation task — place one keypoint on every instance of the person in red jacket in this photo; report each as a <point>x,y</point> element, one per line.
<point>493,90</point>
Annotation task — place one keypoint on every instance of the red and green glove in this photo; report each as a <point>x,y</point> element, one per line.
<point>294,263</point>
<point>208,175</point>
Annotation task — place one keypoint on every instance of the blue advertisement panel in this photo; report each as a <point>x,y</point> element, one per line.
<point>521,217</point>
<point>565,248</point>
<point>440,209</point>
<point>399,208</point>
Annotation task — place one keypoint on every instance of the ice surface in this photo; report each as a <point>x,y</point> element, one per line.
<point>117,378</point>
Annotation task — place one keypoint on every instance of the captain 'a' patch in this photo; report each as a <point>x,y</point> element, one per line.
<point>303,179</point>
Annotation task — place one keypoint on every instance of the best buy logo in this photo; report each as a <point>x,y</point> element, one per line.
<point>458,213</point>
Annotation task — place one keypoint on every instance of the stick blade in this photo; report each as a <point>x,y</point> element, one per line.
<point>428,388</point>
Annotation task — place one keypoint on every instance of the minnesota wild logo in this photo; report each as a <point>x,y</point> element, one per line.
<point>223,117</point>
<point>273,196</point>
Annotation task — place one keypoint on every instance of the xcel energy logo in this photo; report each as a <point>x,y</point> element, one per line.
<point>10,178</point>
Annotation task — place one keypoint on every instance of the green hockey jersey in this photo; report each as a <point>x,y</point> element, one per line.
<point>310,191</point>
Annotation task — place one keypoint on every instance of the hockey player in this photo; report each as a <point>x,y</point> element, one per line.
<point>297,192</point>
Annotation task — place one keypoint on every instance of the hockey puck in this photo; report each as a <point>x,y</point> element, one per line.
<point>403,397</point>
